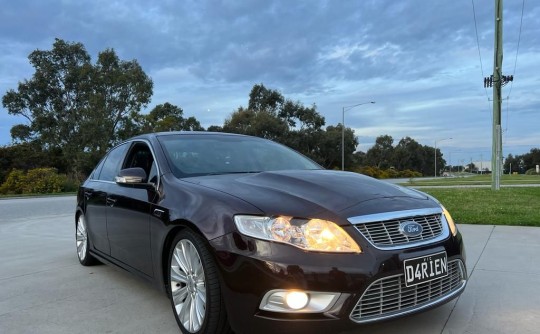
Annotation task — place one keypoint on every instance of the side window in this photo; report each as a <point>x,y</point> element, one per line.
<point>141,156</point>
<point>112,163</point>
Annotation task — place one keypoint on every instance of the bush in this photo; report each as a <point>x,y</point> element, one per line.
<point>371,171</point>
<point>43,181</point>
<point>14,183</point>
<point>407,173</point>
<point>69,184</point>
<point>35,181</point>
<point>390,173</point>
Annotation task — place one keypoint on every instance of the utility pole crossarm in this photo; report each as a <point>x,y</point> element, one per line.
<point>488,81</point>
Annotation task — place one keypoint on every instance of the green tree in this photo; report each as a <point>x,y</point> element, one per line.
<point>264,116</point>
<point>406,155</point>
<point>168,117</point>
<point>330,147</point>
<point>427,163</point>
<point>471,167</point>
<point>435,154</point>
<point>260,123</point>
<point>215,128</point>
<point>119,90</point>
<point>270,115</point>
<point>359,158</point>
<point>409,154</point>
<point>522,163</point>
<point>264,99</point>
<point>531,159</point>
<point>305,129</point>
<point>53,98</point>
<point>77,107</point>
<point>381,154</point>
<point>511,164</point>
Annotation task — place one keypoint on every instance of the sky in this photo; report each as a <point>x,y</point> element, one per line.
<point>422,62</point>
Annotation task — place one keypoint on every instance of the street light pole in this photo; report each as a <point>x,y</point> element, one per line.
<point>435,174</point>
<point>343,130</point>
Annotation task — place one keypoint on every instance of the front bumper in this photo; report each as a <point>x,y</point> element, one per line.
<point>389,297</point>
<point>250,268</point>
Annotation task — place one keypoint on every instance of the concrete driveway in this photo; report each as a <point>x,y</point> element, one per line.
<point>43,289</point>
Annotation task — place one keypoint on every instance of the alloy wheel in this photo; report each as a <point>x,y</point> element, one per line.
<point>188,285</point>
<point>82,238</point>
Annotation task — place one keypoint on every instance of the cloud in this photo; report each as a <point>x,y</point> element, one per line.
<point>417,59</point>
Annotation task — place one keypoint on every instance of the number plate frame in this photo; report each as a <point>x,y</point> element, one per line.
<point>425,268</point>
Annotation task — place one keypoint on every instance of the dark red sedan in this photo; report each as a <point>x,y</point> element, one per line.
<point>247,235</point>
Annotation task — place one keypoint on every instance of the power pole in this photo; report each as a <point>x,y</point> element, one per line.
<point>497,76</point>
<point>497,80</point>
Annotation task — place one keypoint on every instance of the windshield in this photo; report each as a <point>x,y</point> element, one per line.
<point>195,155</point>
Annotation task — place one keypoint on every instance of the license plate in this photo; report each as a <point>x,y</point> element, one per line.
<point>425,268</point>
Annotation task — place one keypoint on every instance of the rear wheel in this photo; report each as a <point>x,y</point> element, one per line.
<point>83,245</point>
<point>194,288</point>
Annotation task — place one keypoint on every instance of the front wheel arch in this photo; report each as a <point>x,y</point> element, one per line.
<point>167,244</point>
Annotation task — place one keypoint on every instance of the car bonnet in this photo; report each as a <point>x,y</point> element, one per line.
<point>306,193</point>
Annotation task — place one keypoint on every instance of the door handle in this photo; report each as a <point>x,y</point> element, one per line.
<point>158,213</point>
<point>111,201</point>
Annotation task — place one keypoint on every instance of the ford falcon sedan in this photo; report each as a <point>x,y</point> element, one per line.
<point>245,235</point>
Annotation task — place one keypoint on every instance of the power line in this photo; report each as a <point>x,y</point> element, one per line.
<point>515,63</point>
<point>519,41</point>
<point>478,45</point>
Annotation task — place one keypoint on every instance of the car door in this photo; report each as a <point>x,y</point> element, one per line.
<point>128,213</point>
<point>95,195</point>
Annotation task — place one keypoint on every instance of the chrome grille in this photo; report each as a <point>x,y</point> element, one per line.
<point>386,233</point>
<point>389,296</point>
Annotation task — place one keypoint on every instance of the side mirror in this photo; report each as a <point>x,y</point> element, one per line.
<point>131,176</point>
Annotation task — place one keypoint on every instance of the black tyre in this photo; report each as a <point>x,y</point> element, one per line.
<point>83,244</point>
<point>194,288</point>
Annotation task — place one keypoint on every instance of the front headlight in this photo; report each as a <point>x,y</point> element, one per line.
<point>450,220</point>
<point>309,234</point>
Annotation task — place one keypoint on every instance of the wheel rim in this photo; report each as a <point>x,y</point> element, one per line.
<point>188,286</point>
<point>82,238</point>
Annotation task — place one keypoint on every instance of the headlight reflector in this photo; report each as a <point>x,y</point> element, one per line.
<point>309,234</point>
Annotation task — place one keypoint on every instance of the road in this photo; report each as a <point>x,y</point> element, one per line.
<point>44,289</point>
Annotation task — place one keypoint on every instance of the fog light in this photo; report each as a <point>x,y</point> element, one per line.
<point>296,300</point>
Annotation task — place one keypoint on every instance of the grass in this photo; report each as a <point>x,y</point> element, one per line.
<point>508,206</point>
<point>475,180</point>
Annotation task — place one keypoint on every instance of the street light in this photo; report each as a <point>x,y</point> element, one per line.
<point>436,153</point>
<point>343,130</point>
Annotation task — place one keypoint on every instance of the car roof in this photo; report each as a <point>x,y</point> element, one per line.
<point>173,133</point>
